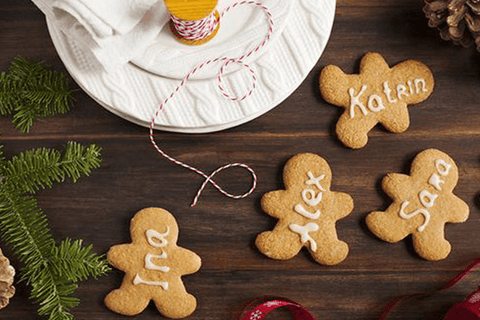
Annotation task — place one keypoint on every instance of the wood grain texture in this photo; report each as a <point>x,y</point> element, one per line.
<point>98,209</point>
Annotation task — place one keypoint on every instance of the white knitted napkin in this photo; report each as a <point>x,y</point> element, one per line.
<point>115,31</point>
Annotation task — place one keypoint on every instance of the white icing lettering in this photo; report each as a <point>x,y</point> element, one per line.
<point>312,180</point>
<point>308,195</point>
<point>408,216</point>
<point>304,232</point>
<point>435,181</point>
<point>401,91</point>
<point>427,199</point>
<point>354,102</point>
<point>378,101</point>
<point>301,210</point>
<point>150,265</point>
<point>420,84</point>
<point>387,91</point>
<point>163,284</point>
<point>443,167</point>
<point>410,89</point>
<point>152,235</point>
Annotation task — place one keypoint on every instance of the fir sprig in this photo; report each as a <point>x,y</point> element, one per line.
<point>52,271</point>
<point>38,169</point>
<point>30,91</point>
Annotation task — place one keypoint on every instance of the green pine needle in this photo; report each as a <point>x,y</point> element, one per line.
<point>52,271</point>
<point>8,97</point>
<point>32,91</point>
<point>40,168</point>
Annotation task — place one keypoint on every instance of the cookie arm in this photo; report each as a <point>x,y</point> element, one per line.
<point>397,186</point>
<point>120,255</point>
<point>273,203</point>
<point>190,262</point>
<point>457,210</point>
<point>341,205</point>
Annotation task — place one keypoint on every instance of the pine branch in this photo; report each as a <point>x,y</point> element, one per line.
<point>51,271</point>
<point>22,70</point>
<point>40,168</point>
<point>76,263</point>
<point>8,98</point>
<point>2,161</point>
<point>25,228</point>
<point>32,91</point>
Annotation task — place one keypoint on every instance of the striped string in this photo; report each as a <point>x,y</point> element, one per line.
<point>197,29</point>
<point>201,27</point>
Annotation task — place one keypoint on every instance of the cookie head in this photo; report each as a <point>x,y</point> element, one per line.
<point>154,227</point>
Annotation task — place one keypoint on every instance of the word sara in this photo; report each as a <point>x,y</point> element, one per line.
<point>312,199</point>
<point>375,103</point>
<point>152,237</point>
<point>427,199</point>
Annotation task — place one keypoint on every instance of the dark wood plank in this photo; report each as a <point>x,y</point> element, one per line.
<point>222,231</point>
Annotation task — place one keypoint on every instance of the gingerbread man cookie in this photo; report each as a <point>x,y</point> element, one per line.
<point>307,211</point>
<point>378,94</point>
<point>423,203</point>
<point>153,266</point>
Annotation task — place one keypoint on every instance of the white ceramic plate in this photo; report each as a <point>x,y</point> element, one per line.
<point>135,92</point>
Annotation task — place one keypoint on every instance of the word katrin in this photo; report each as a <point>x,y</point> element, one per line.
<point>375,102</point>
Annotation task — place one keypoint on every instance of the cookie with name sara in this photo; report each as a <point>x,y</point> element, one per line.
<point>379,94</point>
<point>423,202</point>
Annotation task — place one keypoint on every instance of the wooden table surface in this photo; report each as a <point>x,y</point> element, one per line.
<point>222,231</point>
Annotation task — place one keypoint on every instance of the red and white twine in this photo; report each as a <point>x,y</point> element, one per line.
<point>198,30</point>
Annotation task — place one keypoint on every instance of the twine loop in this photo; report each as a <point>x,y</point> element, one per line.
<point>197,30</point>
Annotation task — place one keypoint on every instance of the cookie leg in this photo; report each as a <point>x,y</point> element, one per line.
<point>388,226</point>
<point>279,244</point>
<point>126,302</point>
<point>353,132</point>
<point>431,245</point>
<point>330,252</point>
<point>401,123</point>
<point>176,306</point>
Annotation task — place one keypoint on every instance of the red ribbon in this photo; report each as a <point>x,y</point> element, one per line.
<point>450,284</point>
<point>260,311</point>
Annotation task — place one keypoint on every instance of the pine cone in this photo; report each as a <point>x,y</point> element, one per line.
<point>457,20</point>
<point>7,272</point>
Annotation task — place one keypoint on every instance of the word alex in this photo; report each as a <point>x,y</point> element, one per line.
<point>310,199</point>
<point>375,102</point>
<point>153,235</point>
<point>427,199</point>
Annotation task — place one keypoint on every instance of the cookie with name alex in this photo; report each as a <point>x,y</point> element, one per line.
<point>307,211</point>
<point>423,203</point>
<point>379,94</point>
